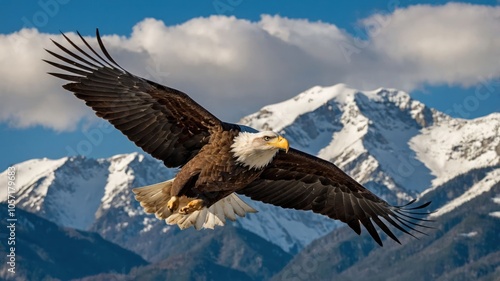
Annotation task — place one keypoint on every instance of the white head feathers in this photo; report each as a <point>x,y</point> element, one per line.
<point>256,150</point>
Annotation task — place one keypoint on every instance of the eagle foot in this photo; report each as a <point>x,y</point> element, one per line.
<point>173,203</point>
<point>194,205</point>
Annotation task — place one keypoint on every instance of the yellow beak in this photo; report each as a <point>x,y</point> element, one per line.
<point>280,142</point>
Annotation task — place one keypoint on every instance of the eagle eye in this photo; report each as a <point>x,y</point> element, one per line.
<point>267,138</point>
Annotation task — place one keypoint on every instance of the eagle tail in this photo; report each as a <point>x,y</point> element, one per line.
<point>154,199</point>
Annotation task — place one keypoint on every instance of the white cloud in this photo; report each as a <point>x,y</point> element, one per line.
<point>455,44</point>
<point>29,96</point>
<point>233,66</point>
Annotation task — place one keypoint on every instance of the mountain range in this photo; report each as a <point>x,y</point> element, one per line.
<point>44,250</point>
<point>394,145</point>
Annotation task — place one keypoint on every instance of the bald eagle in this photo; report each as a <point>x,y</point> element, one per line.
<point>218,160</point>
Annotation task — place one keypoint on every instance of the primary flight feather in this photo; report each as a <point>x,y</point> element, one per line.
<point>218,160</point>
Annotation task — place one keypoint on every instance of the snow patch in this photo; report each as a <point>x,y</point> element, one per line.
<point>347,142</point>
<point>280,115</point>
<point>119,179</point>
<point>289,229</point>
<point>73,198</point>
<point>496,200</point>
<point>455,147</point>
<point>468,234</point>
<point>148,223</point>
<point>27,175</point>
<point>477,189</point>
<point>495,214</point>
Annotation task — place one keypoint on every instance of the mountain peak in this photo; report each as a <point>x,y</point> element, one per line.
<point>280,115</point>
<point>129,156</point>
<point>32,171</point>
<point>121,161</point>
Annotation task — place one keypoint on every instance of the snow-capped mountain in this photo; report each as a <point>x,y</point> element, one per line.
<point>383,137</point>
<point>74,191</point>
<point>394,145</point>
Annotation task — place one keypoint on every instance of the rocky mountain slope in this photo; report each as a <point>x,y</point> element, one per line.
<point>463,245</point>
<point>227,253</point>
<point>45,251</point>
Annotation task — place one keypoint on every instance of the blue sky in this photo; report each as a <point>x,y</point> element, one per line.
<point>60,130</point>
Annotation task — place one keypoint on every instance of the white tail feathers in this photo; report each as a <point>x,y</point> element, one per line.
<point>154,198</point>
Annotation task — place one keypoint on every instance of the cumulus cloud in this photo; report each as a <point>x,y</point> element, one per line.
<point>233,66</point>
<point>454,44</point>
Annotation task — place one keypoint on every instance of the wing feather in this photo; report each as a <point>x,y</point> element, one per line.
<point>163,121</point>
<point>301,181</point>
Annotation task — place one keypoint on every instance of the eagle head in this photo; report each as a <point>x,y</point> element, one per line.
<point>256,150</point>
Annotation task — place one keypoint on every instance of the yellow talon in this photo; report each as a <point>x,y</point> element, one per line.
<point>194,205</point>
<point>173,203</point>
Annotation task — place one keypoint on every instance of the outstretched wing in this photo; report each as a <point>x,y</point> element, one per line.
<point>300,181</point>
<point>164,122</point>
